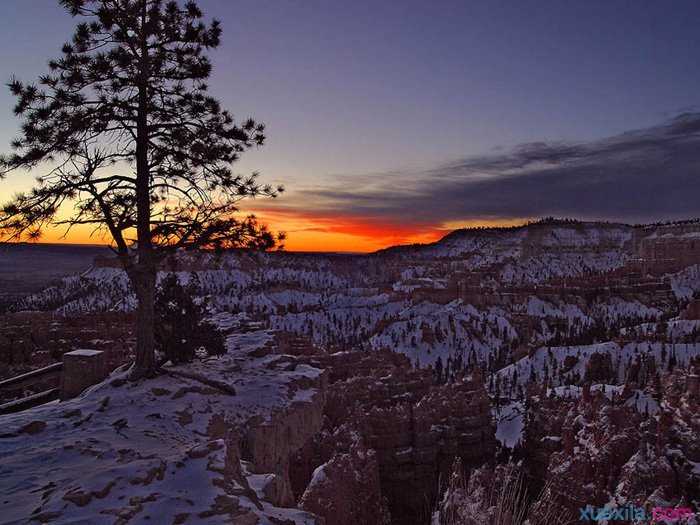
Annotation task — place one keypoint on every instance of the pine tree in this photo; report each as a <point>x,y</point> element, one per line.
<point>181,327</point>
<point>135,145</point>
<point>672,361</point>
<point>438,370</point>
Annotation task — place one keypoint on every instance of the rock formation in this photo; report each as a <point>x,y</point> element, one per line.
<point>413,427</point>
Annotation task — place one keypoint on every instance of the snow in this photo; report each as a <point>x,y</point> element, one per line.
<point>549,358</point>
<point>406,300</point>
<point>84,353</point>
<point>146,449</point>
<point>510,424</point>
<point>643,403</point>
<point>319,476</point>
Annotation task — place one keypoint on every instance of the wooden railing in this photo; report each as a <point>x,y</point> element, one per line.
<point>49,375</point>
<point>79,370</point>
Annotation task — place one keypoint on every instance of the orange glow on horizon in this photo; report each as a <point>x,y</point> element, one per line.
<point>314,232</point>
<point>309,232</point>
<point>77,235</point>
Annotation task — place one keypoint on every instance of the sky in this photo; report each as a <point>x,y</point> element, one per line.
<point>395,122</point>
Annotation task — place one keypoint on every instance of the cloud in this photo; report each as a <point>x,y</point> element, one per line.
<point>641,175</point>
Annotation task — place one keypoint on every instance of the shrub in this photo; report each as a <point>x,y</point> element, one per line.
<point>181,328</point>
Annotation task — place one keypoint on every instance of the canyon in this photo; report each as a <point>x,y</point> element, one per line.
<point>356,388</point>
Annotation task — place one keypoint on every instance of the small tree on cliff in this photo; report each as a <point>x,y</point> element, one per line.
<point>181,325</point>
<point>134,145</point>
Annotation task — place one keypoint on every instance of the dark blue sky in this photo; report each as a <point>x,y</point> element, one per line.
<point>399,89</point>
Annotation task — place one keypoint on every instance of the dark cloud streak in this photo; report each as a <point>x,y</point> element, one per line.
<point>642,175</point>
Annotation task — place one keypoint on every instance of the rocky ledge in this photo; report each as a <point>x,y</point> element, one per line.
<point>270,433</point>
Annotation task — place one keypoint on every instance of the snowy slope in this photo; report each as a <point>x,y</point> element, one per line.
<point>159,450</point>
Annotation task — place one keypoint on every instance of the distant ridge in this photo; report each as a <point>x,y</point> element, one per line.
<point>543,222</point>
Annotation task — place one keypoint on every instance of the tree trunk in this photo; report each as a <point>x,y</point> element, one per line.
<point>145,268</point>
<point>145,285</point>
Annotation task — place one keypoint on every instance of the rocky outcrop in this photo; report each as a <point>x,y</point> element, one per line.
<point>269,444</point>
<point>599,368</point>
<point>601,448</point>
<point>177,448</point>
<point>346,490</point>
<point>414,428</point>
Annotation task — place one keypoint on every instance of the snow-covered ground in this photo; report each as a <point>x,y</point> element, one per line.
<point>510,424</point>
<point>160,451</point>
<point>408,299</point>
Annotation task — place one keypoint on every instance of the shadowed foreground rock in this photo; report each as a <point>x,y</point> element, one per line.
<point>413,427</point>
<point>347,490</point>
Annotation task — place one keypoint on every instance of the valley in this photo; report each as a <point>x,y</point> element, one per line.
<point>567,348</point>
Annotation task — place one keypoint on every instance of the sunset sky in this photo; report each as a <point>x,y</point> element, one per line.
<point>395,122</point>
